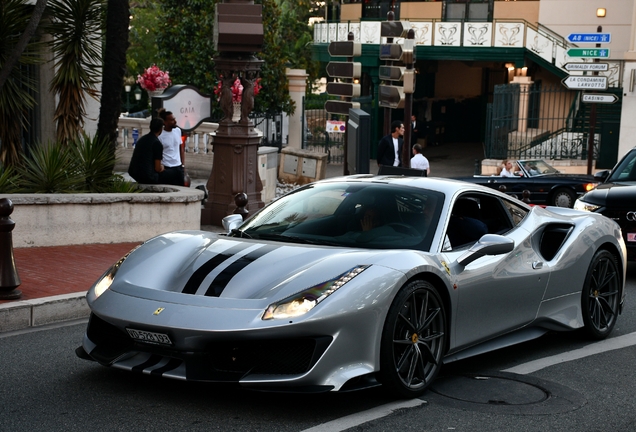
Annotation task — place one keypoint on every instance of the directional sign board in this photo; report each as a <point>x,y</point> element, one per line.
<point>391,73</point>
<point>586,66</point>
<point>391,96</point>
<point>599,98</point>
<point>340,107</point>
<point>585,82</point>
<point>343,89</point>
<point>589,52</point>
<point>398,52</point>
<point>345,49</point>
<point>394,28</point>
<point>344,69</point>
<point>590,37</point>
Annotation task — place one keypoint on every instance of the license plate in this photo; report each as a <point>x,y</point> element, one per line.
<point>151,337</point>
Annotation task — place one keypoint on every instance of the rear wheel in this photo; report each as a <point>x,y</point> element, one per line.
<point>413,340</point>
<point>563,197</point>
<point>600,296</point>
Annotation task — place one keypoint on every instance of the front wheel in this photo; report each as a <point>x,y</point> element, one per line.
<point>600,296</point>
<point>413,340</point>
<point>563,197</point>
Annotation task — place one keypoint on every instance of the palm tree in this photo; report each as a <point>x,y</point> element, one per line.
<point>16,95</point>
<point>76,30</point>
<point>117,21</point>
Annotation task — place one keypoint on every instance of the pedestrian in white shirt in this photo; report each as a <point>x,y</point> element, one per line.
<point>418,161</point>
<point>173,153</point>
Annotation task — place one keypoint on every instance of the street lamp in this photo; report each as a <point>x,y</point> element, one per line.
<point>127,88</point>
<point>137,93</point>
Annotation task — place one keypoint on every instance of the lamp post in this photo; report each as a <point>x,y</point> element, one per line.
<point>235,168</point>
<point>137,93</point>
<point>127,88</point>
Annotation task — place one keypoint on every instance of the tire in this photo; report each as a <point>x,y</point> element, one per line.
<point>563,197</point>
<point>601,296</point>
<point>413,340</point>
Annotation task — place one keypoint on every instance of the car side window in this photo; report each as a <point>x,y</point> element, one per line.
<point>475,214</point>
<point>517,213</point>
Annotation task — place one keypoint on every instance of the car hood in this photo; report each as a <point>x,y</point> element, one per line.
<point>611,194</point>
<point>204,264</point>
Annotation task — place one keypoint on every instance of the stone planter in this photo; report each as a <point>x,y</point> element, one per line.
<point>65,219</point>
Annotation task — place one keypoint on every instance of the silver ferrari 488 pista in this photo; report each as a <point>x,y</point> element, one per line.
<point>355,282</point>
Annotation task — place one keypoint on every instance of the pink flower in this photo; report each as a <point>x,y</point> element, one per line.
<point>154,78</point>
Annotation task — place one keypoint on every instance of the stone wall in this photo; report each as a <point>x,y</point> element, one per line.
<point>64,219</point>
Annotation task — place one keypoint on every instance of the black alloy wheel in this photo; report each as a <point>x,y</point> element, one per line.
<point>600,297</point>
<point>413,340</point>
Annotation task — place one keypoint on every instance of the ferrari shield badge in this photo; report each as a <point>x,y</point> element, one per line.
<point>446,267</point>
<point>158,311</point>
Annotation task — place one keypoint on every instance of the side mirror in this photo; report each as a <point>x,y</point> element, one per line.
<point>231,222</point>
<point>601,175</point>
<point>488,244</point>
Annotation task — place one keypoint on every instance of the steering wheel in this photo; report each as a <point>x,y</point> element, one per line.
<point>403,228</point>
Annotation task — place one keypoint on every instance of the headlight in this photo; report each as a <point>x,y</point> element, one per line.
<point>582,205</point>
<point>304,301</point>
<point>104,282</point>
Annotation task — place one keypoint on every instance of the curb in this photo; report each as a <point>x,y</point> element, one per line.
<point>24,314</point>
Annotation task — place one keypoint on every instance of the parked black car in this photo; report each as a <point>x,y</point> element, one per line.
<point>615,198</point>
<point>547,186</point>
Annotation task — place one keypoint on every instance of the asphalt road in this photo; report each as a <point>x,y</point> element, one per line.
<point>45,387</point>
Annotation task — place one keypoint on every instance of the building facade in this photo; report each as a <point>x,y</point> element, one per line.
<point>469,53</point>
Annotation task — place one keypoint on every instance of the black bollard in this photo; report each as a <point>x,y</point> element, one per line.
<point>477,167</point>
<point>240,199</point>
<point>9,279</point>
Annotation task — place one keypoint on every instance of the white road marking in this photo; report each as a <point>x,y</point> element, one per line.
<point>357,419</point>
<point>595,348</point>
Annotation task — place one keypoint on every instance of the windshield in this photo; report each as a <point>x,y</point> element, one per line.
<point>626,169</point>
<point>349,214</point>
<point>536,167</point>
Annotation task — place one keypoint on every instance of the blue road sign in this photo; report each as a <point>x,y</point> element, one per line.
<point>590,37</point>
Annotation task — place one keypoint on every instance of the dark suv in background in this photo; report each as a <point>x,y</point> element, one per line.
<point>615,198</point>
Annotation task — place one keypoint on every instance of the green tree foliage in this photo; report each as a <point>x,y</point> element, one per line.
<point>274,96</point>
<point>76,30</point>
<point>294,29</point>
<point>16,95</point>
<point>143,50</point>
<point>185,37</point>
<point>185,41</point>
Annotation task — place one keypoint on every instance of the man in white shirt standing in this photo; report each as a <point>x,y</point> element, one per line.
<point>173,153</point>
<point>418,161</point>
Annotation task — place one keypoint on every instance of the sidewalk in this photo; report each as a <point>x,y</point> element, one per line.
<point>54,280</point>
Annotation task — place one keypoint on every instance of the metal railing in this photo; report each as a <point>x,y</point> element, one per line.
<point>536,122</point>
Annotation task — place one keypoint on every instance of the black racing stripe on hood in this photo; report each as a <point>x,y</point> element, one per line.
<point>197,277</point>
<point>220,282</point>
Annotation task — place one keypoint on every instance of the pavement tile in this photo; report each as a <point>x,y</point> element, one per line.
<point>54,270</point>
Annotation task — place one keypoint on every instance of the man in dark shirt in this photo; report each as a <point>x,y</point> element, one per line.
<point>145,164</point>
